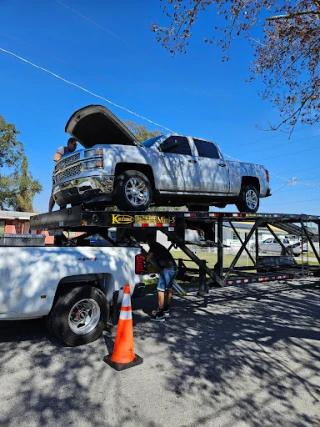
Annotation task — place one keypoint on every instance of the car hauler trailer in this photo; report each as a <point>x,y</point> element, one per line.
<point>135,225</point>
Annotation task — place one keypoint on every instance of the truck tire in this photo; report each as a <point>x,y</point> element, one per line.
<point>248,199</point>
<point>133,191</point>
<point>79,316</point>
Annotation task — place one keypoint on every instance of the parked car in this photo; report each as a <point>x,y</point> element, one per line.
<point>168,170</point>
<point>271,245</point>
<point>302,242</point>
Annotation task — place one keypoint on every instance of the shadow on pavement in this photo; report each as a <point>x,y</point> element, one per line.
<point>240,356</point>
<point>252,352</point>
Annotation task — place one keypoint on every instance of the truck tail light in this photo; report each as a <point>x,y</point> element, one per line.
<point>267,176</point>
<point>139,264</point>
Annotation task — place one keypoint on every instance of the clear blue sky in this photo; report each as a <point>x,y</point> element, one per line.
<point>194,94</point>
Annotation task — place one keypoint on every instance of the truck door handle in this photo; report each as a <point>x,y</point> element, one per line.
<point>223,165</point>
<point>192,161</point>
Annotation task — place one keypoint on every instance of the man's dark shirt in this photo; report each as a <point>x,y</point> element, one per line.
<point>161,255</point>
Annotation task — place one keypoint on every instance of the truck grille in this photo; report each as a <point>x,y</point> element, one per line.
<point>68,160</point>
<point>67,173</point>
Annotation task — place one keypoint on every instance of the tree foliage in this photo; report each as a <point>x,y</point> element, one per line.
<point>27,188</point>
<point>140,131</point>
<point>17,190</point>
<point>10,149</point>
<point>7,192</point>
<point>17,186</point>
<point>286,56</point>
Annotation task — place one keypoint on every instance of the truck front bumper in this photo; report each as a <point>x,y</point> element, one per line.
<point>84,190</point>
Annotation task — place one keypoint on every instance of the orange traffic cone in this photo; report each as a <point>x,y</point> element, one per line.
<point>123,356</point>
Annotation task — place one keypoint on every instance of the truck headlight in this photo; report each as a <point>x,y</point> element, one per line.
<point>96,152</point>
<point>93,164</point>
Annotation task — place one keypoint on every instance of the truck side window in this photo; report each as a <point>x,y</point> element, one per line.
<point>176,145</point>
<point>206,149</point>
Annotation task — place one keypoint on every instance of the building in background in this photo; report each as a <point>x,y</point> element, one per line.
<point>12,222</point>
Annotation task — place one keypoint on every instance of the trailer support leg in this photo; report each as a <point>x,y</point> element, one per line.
<point>219,266</point>
<point>310,241</point>
<point>257,242</point>
<point>203,287</point>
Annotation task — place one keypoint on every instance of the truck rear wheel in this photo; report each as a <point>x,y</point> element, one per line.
<point>133,191</point>
<point>248,199</point>
<point>79,316</point>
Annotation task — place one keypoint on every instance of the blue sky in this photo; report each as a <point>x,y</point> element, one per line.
<point>194,94</point>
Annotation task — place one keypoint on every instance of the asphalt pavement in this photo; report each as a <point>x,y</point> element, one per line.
<point>241,356</point>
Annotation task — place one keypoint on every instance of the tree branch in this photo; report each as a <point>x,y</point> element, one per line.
<point>293,15</point>
<point>296,113</point>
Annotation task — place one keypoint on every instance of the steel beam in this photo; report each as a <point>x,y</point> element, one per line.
<point>201,264</point>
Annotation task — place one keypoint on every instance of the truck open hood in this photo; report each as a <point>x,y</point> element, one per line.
<point>95,124</point>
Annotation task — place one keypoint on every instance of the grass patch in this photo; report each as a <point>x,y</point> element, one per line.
<point>212,258</point>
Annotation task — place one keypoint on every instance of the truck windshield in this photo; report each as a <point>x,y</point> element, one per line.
<point>149,142</point>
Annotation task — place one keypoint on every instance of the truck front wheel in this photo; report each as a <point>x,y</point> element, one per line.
<point>133,191</point>
<point>79,316</point>
<point>248,199</point>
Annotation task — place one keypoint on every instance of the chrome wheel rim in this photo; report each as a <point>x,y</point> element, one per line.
<point>251,199</point>
<point>84,316</point>
<point>136,191</point>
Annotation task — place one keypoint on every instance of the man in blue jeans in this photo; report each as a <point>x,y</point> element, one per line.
<point>168,271</point>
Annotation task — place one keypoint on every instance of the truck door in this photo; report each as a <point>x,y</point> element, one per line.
<point>214,171</point>
<point>177,166</point>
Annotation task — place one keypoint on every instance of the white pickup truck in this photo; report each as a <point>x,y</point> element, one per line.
<point>168,170</point>
<point>74,287</point>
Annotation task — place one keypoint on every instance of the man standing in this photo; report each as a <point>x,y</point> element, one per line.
<point>168,271</point>
<point>62,151</point>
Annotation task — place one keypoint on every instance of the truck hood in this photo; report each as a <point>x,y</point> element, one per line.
<point>95,124</point>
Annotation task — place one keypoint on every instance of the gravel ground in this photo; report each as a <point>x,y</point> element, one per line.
<point>242,356</point>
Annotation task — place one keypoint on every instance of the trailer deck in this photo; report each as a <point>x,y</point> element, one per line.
<point>212,224</point>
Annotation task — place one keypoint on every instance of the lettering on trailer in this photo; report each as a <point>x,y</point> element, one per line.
<point>153,219</point>
<point>122,219</point>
